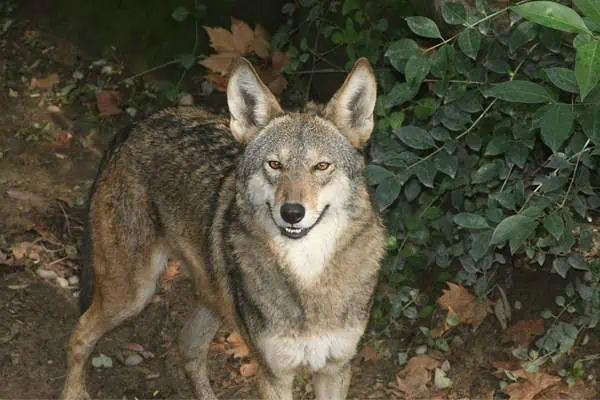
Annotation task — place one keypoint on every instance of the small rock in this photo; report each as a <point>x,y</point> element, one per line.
<point>446,366</point>
<point>62,282</point>
<point>133,359</point>
<point>46,273</point>
<point>102,361</point>
<point>74,280</point>
<point>421,350</point>
<point>152,376</point>
<point>186,99</point>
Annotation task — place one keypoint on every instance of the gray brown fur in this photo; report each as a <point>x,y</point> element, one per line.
<point>178,185</point>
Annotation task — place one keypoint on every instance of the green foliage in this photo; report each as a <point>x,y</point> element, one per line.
<point>486,146</point>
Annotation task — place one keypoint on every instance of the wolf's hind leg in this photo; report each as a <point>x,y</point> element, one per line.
<point>332,382</point>
<point>194,343</point>
<point>121,291</point>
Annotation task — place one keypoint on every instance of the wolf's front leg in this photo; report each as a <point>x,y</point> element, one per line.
<point>332,381</point>
<point>275,386</point>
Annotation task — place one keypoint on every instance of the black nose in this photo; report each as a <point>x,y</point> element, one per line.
<point>292,212</point>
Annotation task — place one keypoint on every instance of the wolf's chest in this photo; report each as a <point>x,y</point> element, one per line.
<point>284,353</point>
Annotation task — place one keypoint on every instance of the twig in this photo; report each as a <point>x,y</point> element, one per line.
<point>507,176</point>
<point>163,65</point>
<point>574,174</point>
<point>471,26</point>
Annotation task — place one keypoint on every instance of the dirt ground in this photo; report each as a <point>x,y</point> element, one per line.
<point>49,150</point>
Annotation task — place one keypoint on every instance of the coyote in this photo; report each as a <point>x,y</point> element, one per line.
<point>270,214</point>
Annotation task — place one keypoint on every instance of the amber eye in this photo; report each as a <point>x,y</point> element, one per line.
<point>275,164</point>
<point>322,166</point>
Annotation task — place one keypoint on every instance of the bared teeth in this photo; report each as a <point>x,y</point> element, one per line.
<point>293,230</point>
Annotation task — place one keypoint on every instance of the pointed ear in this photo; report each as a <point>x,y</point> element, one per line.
<point>251,103</point>
<point>351,108</point>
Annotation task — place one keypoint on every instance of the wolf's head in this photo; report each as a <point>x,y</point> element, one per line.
<point>301,170</point>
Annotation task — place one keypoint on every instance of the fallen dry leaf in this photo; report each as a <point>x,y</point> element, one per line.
<point>219,81</point>
<point>261,44</point>
<point>63,140</point>
<point>107,102</point>
<point>238,349</point>
<point>413,379</point>
<point>45,83</point>
<point>578,391</point>
<point>523,332</point>
<point>26,249</point>
<point>278,85</point>
<point>368,353</point>
<point>220,63</point>
<point>243,36</point>
<point>464,303</point>
<point>221,40</point>
<point>533,384</point>
<point>249,369</point>
<point>31,198</point>
<point>279,59</point>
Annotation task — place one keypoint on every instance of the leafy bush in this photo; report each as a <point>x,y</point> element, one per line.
<point>486,145</point>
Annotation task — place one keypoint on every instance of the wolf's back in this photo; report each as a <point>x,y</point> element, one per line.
<point>181,153</point>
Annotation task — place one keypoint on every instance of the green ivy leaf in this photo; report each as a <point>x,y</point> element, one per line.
<point>485,173</point>
<point>187,61</point>
<point>446,163</point>
<point>396,119</point>
<point>400,94</point>
<point>454,13</point>
<point>590,123</point>
<point>524,33</point>
<point>563,78</point>
<point>426,173</point>
<point>376,174</point>
<point>520,92</point>
<point>412,190</point>
<point>180,14</point>
<point>578,262</point>
<point>416,70</point>
<point>424,26</point>
<point>517,154</point>
<point>555,225</point>
<point>387,192</point>
<point>590,8</point>
<point>557,125</point>
<point>552,15</point>
<point>515,226</point>
<point>415,137</point>
<point>561,266</point>
<point>506,200</point>
<point>400,51</point>
<point>498,145</point>
<point>425,108</point>
<point>470,221</point>
<point>469,42</point>
<point>587,67</point>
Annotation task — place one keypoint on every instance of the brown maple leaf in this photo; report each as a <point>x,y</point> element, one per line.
<point>533,384</point>
<point>220,63</point>
<point>221,40</point>
<point>413,379</point>
<point>219,81</point>
<point>45,83</point>
<point>464,303</point>
<point>368,353</point>
<point>261,45</point>
<point>523,332</point>
<point>107,102</point>
<point>243,36</point>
